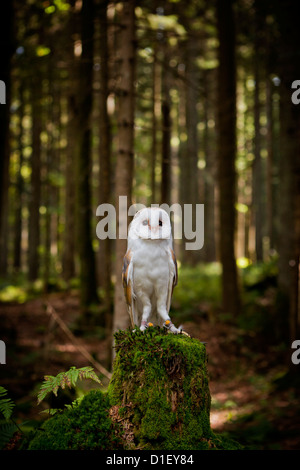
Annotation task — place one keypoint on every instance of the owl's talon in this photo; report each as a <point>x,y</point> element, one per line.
<point>145,325</point>
<point>170,326</point>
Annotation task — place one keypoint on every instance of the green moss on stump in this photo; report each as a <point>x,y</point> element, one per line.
<point>158,398</point>
<point>160,387</point>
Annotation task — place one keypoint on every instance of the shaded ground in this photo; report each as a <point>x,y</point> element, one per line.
<point>252,399</point>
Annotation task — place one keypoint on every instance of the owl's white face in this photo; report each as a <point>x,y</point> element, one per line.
<point>150,224</point>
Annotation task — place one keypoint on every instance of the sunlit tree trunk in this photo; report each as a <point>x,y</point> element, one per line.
<point>192,145</point>
<point>209,176</point>
<point>104,253</point>
<point>257,175</point>
<point>166,156</point>
<point>125,155</point>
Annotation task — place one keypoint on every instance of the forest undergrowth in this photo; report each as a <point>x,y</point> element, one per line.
<point>254,394</point>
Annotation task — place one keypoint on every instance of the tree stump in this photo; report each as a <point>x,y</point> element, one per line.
<point>159,391</point>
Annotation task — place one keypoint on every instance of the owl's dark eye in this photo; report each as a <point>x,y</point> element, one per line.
<point>145,222</point>
<point>160,223</point>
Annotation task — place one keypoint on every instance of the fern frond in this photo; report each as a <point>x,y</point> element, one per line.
<point>7,430</point>
<point>6,404</point>
<point>63,379</point>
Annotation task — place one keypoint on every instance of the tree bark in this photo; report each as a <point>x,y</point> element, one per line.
<point>289,185</point>
<point>88,286</point>
<point>125,155</point>
<point>257,174</point>
<point>35,195</point>
<point>165,195</point>
<point>68,253</point>
<point>258,186</point>
<point>6,51</point>
<point>17,250</point>
<point>192,118</point>
<point>104,252</point>
<point>209,176</point>
<point>226,151</point>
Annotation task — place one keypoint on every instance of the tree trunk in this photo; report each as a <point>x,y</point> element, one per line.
<point>68,256</point>
<point>68,253</point>
<point>104,253</point>
<point>257,177</point>
<point>35,194</point>
<point>270,164</point>
<point>165,195</point>
<point>125,156</point>
<point>155,98</point>
<point>258,186</point>
<point>166,152</point>
<point>6,50</point>
<point>226,155</point>
<point>192,118</point>
<point>209,176</point>
<point>17,250</point>
<point>88,286</point>
<point>289,189</point>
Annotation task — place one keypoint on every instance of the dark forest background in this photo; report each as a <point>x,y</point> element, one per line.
<point>162,102</point>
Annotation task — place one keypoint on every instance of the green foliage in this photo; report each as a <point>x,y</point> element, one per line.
<point>7,430</point>
<point>86,426</point>
<point>260,291</point>
<point>6,404</point>
<point>63,379</point>
<point>259,275</point>
<point>196,285</point>
<point>7,427</point>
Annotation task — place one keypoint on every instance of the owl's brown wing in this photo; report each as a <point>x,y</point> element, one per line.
<point>127,283</point>
<point>173,278</point>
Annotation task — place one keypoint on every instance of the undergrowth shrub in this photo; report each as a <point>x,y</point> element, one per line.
<point>87,426</point>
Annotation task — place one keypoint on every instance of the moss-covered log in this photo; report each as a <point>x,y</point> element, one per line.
<point>158,398</point>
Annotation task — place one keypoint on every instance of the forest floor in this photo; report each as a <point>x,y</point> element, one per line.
<point>253,400</point>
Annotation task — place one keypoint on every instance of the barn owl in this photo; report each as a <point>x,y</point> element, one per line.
<point>149,271</point>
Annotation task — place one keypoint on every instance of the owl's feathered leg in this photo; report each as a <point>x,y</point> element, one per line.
<point>146,312</point>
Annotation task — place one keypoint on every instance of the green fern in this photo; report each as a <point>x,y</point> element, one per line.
<point>63,379</point>
<point>7,425</point>
<point>54,411</point>
<point>7,430</point>
<point>6,404</point>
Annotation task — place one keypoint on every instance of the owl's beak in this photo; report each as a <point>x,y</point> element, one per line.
<point>154,233</point>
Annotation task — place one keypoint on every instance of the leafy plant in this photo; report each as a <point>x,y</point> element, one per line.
<point>7,425</point>
<point>6,404</point>
<point>63,379</point>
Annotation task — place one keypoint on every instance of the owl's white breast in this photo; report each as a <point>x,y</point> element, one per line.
<point>150,261</point>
